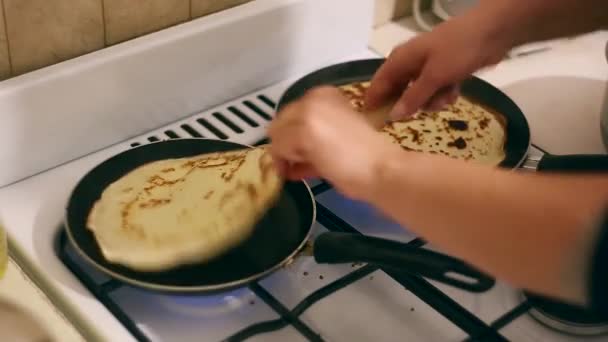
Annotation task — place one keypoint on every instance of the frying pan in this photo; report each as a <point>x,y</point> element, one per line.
<point>277,239</point>
<point>518,131</point>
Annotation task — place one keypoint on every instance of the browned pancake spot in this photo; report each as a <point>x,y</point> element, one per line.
<point>459,125</point>
<point>458,143</point>
<point>483,123</point>
<point>154,203</point>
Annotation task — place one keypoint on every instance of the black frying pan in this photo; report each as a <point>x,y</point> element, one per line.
<point>276,240</point>
<point>518,130</point>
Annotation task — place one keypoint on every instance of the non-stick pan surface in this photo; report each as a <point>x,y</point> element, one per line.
<point>276,239</point>
<point>518,132</point>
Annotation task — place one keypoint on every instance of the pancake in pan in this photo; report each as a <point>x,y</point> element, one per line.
<point>181,211</point>
<point>463,130</point>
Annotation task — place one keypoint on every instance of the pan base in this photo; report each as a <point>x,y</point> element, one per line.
<point>566,318</point>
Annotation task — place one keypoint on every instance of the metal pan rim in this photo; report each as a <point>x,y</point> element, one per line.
<point>281,102</point>
<point>187,289</point>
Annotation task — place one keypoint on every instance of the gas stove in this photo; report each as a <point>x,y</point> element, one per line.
<point>64,120</point>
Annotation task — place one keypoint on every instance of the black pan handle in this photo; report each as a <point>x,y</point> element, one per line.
<point>578,163</point>
<point>336,248</point>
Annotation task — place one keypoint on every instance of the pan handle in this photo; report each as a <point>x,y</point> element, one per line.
<point>573,163</point>
<point>336,248</point>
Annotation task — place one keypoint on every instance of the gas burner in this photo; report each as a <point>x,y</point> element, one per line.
<point>208,306</point>
<point>566,318</point>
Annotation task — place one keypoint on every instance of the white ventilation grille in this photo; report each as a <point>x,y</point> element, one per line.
<point>242,121</point>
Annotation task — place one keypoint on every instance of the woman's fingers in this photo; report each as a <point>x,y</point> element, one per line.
<point>442,98</point>
<point>299,171</point>
<point>287,129</point>
<point>403,65</point>
<point>281,165</point>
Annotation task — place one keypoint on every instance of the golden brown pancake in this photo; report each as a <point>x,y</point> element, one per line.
<point>463,130</point>
<point>188,210</point>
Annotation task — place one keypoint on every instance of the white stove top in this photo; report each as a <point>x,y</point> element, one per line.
<point>303,301</point>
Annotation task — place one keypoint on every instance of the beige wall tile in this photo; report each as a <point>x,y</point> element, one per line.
<point>43,32</point>
<point>204,7</point>
<point>5,66</point>
<point>126,19</point>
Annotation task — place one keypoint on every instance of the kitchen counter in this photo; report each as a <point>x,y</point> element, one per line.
<point>26,313</point>
<point>32,310</point>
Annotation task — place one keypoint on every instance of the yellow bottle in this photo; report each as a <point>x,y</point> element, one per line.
<point>3,251</point>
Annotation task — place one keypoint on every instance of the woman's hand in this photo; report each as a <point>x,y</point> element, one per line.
<point>432,64</point>
<point>320,135</point>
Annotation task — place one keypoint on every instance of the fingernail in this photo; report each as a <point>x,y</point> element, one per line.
<point>399,111</point>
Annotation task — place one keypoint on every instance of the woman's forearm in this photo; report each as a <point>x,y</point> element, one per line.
<point>534,231</point>
<point>517,22</point>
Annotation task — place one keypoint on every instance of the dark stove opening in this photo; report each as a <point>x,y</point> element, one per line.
<point>566,318</point>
